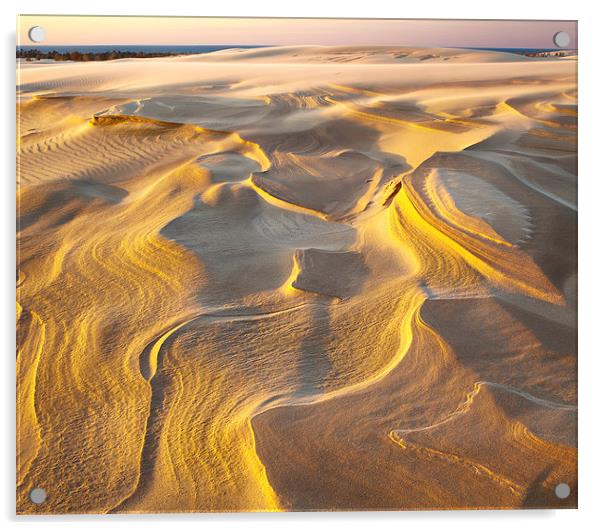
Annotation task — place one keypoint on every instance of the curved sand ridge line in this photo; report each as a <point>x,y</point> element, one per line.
<point>31,344</point>
<point>464,407</point>
<point>198,286</point>
<point>152,365</point>
<point>417,439</point>
<point>491,258</point>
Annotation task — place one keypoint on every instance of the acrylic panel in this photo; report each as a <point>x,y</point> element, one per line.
<point>295,264</point>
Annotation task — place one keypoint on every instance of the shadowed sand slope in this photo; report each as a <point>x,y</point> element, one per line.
<point>297,278</point>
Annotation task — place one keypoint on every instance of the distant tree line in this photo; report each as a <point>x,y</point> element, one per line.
<point>55,55</point>
<point>549,54</point>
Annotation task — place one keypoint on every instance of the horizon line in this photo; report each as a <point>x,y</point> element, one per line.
<point>40,45</point>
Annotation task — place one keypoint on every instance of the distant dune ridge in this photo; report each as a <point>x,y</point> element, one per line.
<point>297,278</point>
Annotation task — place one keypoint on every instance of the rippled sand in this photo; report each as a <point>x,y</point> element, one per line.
<point>297,278</point>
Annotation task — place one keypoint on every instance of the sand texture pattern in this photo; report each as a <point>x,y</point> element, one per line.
<point>297,278</point>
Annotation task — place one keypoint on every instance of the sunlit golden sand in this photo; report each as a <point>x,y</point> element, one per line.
<point>297,278</point>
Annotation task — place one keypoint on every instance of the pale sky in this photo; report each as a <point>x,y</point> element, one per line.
<point>88,30</point>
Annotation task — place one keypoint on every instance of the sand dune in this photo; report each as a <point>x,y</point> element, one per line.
<point>297,278</point>
<point>360,54</point>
